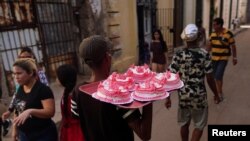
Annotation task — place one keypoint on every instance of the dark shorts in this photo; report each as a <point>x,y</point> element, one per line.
<point>48,134</point>
<point>219,69</point>
<point>159,59</point>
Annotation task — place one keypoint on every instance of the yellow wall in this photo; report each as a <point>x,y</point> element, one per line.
<point>189,12</point>
<point>206,15</point>
<point>165,20</point>
<point>165,4</point>
<point>242,10</point>
<point>127,29</point>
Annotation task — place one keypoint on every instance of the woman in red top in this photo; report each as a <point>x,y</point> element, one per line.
<point>70,127</point>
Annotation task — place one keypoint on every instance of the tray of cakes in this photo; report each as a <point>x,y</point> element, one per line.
<point>91,89</point>
<point>134,89</point>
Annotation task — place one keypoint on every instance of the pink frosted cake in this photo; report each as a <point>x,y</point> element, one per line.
<point>172,78</point>
<point>160,78</point>
<point>148,91</point>
<point>173,81</point>
<point>122,80</point>
<point>110,92</point>
<point>140,73</point>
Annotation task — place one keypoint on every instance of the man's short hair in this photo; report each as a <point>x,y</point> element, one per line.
<point>93,49</point>
<point>219,21</point>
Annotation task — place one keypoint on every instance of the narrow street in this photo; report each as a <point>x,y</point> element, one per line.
<point>233,110</point>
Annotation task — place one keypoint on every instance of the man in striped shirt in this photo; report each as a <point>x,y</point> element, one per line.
<point>221,45</point>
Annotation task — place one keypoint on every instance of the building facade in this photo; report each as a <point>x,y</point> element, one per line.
<point>55,28</point>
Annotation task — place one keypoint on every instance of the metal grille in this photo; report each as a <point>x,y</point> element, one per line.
<point>12,41</point>
<point>54,20</point>
<point>43,25</point>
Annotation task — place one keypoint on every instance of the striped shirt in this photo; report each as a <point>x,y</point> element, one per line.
<point>220,44</point>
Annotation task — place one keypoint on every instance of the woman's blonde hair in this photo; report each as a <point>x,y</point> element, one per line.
<point>27,64</point>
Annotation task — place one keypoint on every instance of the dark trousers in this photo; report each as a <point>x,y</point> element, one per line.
<point>48,134</point>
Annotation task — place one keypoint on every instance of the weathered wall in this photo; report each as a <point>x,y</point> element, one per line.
<point>128,34</point>
<point>115,19</point>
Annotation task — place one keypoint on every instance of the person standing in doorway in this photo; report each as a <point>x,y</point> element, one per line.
<point>221,45</point>
<point>158,48</point>
<point>193,65</point>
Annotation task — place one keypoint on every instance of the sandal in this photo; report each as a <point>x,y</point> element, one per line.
<point>217,99</point>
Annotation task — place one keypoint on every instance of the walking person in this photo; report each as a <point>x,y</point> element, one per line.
<point>34,105</point>
<point>101,121</point>
<point>158,47</point>
<point>221,45</point>
<point>201,34</point>
<point>70,129</point>
<point>25,52</point>
<point>193,64</point>
<point>235,23</point>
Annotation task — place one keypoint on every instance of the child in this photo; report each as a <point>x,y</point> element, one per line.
<point>70,127</point>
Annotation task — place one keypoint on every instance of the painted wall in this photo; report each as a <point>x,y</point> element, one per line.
<point>121,28</point>
<point>165,21</point>
<point>189,12</point>
<point>233,11</point>
<point>226,12</point>
<point>165,4</point>
<point>242,10</point>
<point>206,15</point>
<point>127,19</point>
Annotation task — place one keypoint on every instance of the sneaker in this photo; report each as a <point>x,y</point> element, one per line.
<point>6,126</point>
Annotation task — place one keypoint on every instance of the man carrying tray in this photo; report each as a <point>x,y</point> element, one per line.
<point>102,121</point>
<point>193,64</point>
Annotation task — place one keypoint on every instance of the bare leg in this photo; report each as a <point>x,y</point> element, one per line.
<point>219,87</point>
<point>197,133</point>
<point>185,132</point>
<point>154,67</point>
<point>161,68</point>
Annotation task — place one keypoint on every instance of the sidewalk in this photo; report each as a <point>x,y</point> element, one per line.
<point>238,30</point>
